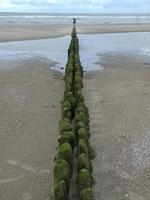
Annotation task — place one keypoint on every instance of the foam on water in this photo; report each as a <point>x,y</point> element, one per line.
<point>37,18</point>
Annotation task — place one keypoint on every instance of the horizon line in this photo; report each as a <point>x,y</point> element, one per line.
<point>96,13</point>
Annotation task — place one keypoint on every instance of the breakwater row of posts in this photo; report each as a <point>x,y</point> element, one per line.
<point>73,157</point>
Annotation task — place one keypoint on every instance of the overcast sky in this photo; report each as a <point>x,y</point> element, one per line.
<point>92,6</point>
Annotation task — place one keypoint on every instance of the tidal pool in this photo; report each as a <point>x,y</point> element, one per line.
<point>92,48</point>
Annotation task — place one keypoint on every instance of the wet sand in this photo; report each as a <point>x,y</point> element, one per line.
<point>29,115</point>
<point>11,32</point>
<point>119,102</point>
<point>30,32</point>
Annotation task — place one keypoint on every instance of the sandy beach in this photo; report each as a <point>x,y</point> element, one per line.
<point>118,100</point>
<point>29,115</point>
<point>31,32</point>
<point>12,32</point>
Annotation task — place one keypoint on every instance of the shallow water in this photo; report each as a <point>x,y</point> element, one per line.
<point>136,46</point>
<point>54,49</point>
<point>92,47</point>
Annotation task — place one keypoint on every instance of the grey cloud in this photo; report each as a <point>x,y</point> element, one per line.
<point>126,3</point>
<point>105,4</point>
<point>31,2</point>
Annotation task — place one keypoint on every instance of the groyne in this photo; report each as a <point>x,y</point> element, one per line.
<point>72,170</point>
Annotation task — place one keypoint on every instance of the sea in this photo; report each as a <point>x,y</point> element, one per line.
<point>55,18</point>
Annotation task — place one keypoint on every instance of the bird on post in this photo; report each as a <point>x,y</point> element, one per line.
<point>74,21</point>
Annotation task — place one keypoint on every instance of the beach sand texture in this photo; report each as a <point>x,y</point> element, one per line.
<point>29,115</point>
<point>119,103</point>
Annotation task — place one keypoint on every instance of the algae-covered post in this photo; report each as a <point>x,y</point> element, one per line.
<point>74,133</point>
